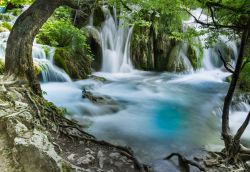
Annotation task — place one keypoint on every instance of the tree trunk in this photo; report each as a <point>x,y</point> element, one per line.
<point>18,59</point>
<point>231,145</point>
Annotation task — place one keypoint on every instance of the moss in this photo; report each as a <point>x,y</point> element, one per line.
<point>59,111</point>
<point>195,55</point>
<point>7,26</point>
<point>16,11</point>
<point>244,81</point>
<point>59,59</point>
<point>5,17</point>
<point>98,17</point>
<point>1,67</point>
<point>37,69</point>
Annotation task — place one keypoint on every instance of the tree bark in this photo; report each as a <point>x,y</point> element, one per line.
<point>226,134</point>
<point>18,59</point>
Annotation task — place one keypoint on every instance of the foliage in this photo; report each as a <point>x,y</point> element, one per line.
<point>6,25</point>
<point>1,67</point>
<point>62,34</point>
<point>16,2</point>
<point>62,14</point>
<point>73,53</point>
<point>244,81</point>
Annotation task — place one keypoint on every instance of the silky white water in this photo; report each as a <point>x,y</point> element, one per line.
<point>154,113</point>
<point>115,43</point>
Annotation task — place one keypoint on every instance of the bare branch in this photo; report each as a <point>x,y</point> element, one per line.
<point>225,63</point>
<point>213,25</point>
<point>242,128</point>
<point>226,7</point>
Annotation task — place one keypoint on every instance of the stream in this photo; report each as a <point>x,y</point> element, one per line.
<point>153,113</point>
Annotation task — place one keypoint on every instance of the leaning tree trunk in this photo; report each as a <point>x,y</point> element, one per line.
<point>18,59</point>
<point>232,146</point>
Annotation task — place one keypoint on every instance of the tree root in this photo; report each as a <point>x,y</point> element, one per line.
<point>184,163</point>
<point>38,112</point>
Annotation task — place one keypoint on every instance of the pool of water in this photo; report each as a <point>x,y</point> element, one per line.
<point>155,113</point>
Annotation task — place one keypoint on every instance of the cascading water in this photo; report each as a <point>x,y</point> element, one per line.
<point>154,113</point>
<point>50,72</point>
<point>211,59</point>
<point>115,43</point>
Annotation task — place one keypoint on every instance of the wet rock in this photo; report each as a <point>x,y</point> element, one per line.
<point>85,160</point>
<point>101,158</point>
<point>71,157</point>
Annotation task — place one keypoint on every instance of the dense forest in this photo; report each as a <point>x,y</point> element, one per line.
<point>124,85</point>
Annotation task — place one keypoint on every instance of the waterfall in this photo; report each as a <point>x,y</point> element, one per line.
<point>115,42</point>
<point>50,72</point>
<point>211,59</point>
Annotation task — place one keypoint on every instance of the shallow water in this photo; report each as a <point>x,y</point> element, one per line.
<point>155,114</point>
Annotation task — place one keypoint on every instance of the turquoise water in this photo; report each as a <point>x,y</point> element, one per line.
<point>155,113</point>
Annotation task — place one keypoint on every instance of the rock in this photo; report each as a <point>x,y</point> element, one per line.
<point>85,160</point>
<point>101,158</point>
<point>71,157</point>
<point>114,155</point>
<point>88,150</point>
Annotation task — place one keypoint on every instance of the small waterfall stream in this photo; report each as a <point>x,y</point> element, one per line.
<point>115,43</point>
<point>154,113</point>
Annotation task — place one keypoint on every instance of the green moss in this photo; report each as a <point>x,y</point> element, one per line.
<point>59,58</point>
<point>37,69</point>
<point>1,67</point>
<point>73,53</point>
<point>244,81</point>
<point>7,26</point>
<point>16,11</point>
<point>5,17</point>
<point>195,56</point>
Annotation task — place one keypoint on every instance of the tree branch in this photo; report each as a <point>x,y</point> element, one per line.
<point>185,162</point>
<point>216,26</point>
<point>125,5</point>
<point>245,63</point>
<point>230,8</point>
<point>242,128</point>
<point>225,63</point>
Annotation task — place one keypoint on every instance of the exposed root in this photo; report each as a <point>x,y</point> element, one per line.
<point>184,163</point>
<point>38,112</point>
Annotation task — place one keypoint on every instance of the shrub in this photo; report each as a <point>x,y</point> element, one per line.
<point>244,81</point>
<point>7,25</point>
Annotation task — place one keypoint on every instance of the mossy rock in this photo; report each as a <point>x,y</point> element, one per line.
<point>98,17</point>
<point>142,55</point>
<point>226,52</point>
<point>195,56</point>
<point>175,61</point>
<point>76,64</point>
<point>37,68</point>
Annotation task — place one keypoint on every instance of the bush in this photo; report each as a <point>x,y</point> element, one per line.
<point>73,53</point>
<point>7,25</point>
<point>244,81</point>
